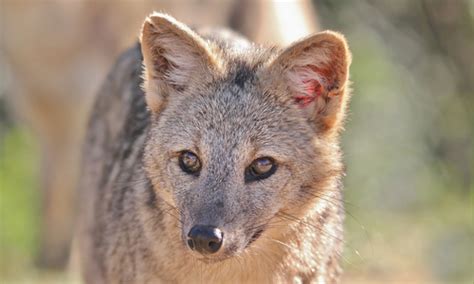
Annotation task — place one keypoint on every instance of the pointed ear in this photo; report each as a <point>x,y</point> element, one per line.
<point>314,73</point>
<point>174,56</point>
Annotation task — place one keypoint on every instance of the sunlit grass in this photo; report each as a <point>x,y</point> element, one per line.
<point>19,202</point>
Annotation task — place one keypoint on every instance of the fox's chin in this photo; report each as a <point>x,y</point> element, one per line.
<point>213,259</point>
<point>216,258</point>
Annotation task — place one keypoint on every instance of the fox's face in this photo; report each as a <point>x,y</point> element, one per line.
<point>238,135</point>
<point>230,157</point>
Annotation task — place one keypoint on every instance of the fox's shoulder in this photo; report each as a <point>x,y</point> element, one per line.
<point>118,121</point>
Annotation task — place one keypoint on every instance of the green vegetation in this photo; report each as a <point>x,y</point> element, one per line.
<point>19,201</point>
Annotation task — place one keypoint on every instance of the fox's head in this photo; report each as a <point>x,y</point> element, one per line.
<point>240,133</point>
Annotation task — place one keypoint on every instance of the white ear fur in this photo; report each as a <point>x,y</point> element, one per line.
<point>174,57</point>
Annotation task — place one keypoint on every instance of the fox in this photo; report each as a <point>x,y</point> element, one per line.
<point>212,159</point>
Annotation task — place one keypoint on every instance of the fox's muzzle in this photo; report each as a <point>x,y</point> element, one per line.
<point>205,239</point>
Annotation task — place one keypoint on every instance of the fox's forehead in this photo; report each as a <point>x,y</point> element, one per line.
<point>234,111</point>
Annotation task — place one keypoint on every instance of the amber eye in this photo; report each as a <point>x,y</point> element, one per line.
<point>259,169</point>
<point>189,162</point>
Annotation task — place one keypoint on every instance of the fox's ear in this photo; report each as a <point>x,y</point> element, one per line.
<point>174,57</point>
<point>314,73</point>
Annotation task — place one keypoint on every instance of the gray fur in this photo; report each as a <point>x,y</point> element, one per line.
<point>138,205</point>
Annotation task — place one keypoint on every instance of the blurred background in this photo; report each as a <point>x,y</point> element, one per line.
<point>408,141</point>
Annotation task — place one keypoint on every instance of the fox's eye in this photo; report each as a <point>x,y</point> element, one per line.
<point>261,168</point>
<point>189,162</point>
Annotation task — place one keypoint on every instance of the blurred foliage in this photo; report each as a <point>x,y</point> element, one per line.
<point>19,209</point>
<point>19,197</point>
<point>408,143</point>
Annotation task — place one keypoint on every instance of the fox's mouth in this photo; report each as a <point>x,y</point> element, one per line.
<point>231,251</point>
<point>254,237</point>
<point>200,238</point>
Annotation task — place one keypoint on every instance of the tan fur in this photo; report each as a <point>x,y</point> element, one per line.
<point>172,52</point>
<point>230,103</point>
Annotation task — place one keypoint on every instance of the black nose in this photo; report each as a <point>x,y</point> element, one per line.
<point>205,239</point>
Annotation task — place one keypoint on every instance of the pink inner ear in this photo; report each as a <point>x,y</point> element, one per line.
<point>310,82</point>
<point>312,90</point>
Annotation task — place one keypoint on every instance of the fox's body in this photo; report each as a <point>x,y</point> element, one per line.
<point>228,103</point>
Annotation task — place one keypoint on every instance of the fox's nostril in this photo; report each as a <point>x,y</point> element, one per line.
<point>214,246</point>
<point>205,239</point>
<point>190,243</point>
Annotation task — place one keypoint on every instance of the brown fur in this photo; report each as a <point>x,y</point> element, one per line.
<point>229,102</point>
